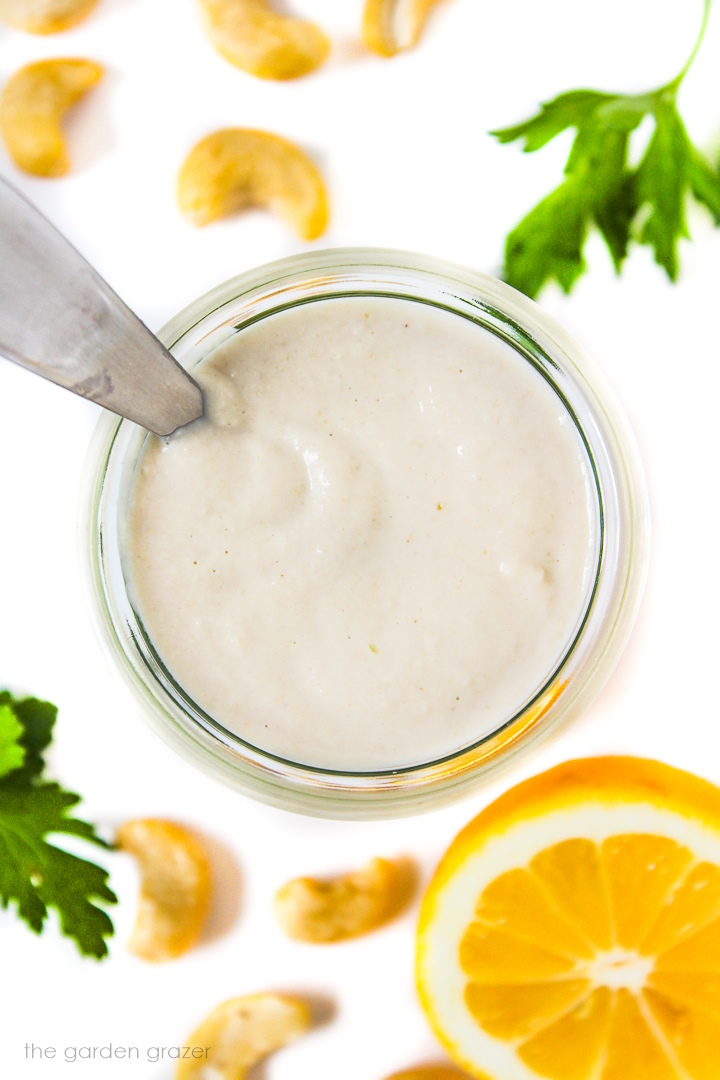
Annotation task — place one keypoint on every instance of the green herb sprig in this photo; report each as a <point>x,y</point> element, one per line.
<point>644,202</point>
<point>35,874</point>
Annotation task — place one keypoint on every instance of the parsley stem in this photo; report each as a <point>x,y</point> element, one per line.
<point>672,87</point>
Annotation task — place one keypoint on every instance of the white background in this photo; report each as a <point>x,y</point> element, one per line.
<point>404,148</point>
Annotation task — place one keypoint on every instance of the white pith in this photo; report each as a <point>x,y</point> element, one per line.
<point>620,968</point>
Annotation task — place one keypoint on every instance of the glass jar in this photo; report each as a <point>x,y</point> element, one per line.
<point>621,543</point>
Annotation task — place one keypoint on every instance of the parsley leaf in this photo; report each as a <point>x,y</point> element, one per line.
<point>35,874</point>
<point>663,178</point>
<point>548,243</point>
<point>36,719</point>
<point>12,753</point>
<point>567,110</point>
<point>602,190</point>
<point>704,183</point>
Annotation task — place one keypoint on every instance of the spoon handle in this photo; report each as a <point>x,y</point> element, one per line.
<point>60,319</point>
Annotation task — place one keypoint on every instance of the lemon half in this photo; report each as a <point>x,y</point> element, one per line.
<point>572,930</point>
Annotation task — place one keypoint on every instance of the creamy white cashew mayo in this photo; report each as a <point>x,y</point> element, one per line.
<point>377,544</point>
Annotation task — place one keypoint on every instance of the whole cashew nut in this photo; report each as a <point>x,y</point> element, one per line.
<point>174,890</point>
<point>32,105</point>
<point>236,168</point>
<point>44,16</point>
<point>381,18</point>
<point>255,38</point>
<point>323,911</point>
<point>241,1032</point>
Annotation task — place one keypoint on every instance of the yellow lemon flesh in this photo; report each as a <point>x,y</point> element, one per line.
<point>572,930</point>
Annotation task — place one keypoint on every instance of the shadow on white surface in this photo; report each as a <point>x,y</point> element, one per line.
<point>349,51</point>
<point>88,127</point>
<point>227,890</point>
<point>323,1010</point>
<point>107,9</point>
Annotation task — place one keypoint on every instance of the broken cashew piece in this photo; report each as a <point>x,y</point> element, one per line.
<point>44,16</point>
<point>381,27</point>
<point>174,889</point>
<point>255,38</point>
<point>237,168</point>
<point>241,1032</point>
<point>32,105</point>
<point>323,911</point>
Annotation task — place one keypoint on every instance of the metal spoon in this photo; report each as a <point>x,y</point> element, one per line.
<point>60,319</point>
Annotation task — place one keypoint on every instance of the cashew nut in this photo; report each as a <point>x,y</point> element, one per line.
<point>32,105</point>
<point>174,890</point>
<point>235,168</point>
<point>344,907</point>
<point>241,1032</point>
<point>381,18</point>
<point>44,16</point>
<point>258,40</point>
